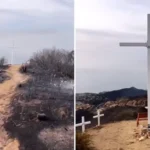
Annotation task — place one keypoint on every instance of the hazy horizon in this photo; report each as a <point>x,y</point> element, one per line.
<point>109,86</point>
<point>103,65</point>
<point>35,25</point>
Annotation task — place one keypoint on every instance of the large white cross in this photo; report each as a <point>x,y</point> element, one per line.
<point>83,123</point>
<point>147,45</point>
<point>98,116</point>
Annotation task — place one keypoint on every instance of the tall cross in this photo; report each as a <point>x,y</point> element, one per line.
<point>83,123</point>
<point>98,116</point>
<point>147,45</point>
<point>12,53</point>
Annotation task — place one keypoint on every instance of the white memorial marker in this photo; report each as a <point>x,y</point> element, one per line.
<point>83,124</point>
<point>98,116</point>
<point>12,54</point>
<point>147,45</point>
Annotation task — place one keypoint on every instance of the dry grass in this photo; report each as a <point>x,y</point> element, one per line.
<point>3,74</point>
<point>40,93</point>
<point>52,62</point>
<point>84,141</point>
<point>119,135</point>
<point>58,138</point>
<point>23,122</point>
<point>3,62</point>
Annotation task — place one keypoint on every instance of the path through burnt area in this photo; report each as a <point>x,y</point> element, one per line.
<point>45,92</point>
<point>41,96</point>
<point>3,74</point>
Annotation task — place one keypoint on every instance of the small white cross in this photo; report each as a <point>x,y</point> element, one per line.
<point>98,116</point>
<point>83,124</point>
<point>12,53</point>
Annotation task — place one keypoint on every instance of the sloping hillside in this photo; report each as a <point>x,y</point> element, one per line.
<point>118,136</point>
<point>98,98</point>
<point>119,110</point>
<point>7,90</point>
<point>23,100</point>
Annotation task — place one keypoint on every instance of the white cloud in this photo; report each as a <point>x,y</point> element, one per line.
<point>34,25</point>
<point>110,15</point>
<point>101,25</point>
<point>37,5</point>
<point>35,12</point>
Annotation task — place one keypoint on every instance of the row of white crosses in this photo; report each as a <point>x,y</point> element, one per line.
<point>147,45</point>
<point>83,123</point>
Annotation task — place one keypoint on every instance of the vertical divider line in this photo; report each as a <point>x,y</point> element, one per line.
<point>74,76</point>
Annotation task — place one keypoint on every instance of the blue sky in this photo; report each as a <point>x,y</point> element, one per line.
<point>101,64</point>
<point>35,24</point>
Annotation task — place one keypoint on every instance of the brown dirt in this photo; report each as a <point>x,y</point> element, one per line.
<point>118,136</point>
<point>19,126</point>
<point>7,90</point>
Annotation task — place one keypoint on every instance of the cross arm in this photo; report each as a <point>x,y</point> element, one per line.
<point>95,116</point>
<point>79,124</point>
<point>88,122</point>
<point>133,44</point>
<point>98,116</point>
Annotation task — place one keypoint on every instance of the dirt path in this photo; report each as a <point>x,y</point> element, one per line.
<point>7,89</point>
<point>118,136</point>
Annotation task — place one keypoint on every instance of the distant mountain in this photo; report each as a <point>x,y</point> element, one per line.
<point>117,105</point>
<point>102,97</point>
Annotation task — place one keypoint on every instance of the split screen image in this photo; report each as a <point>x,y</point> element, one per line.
<point>74,75</point>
